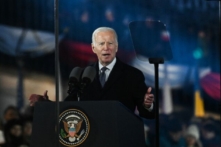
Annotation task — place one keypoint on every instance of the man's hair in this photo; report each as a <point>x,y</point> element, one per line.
<point>103,29</point>
<point>10,107</point>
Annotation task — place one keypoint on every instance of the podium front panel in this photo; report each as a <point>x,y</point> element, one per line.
<point>111,124</point>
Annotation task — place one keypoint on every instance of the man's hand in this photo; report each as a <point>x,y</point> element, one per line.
<point>148,98</point>
<point>35,98</point>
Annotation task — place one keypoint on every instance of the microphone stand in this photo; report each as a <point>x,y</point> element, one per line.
<point>78,96</point>
<point>156,62</point>
<point>74,91</point>
<point>83,84</point>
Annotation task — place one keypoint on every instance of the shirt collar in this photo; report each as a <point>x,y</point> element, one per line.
<point>109,66</point>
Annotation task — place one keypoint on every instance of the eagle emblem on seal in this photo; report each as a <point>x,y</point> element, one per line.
<point>72,126</point>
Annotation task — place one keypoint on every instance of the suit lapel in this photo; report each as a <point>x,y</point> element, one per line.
<point>115,74</point>
<point>96,80</point>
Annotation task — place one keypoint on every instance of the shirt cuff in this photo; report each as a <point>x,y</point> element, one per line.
<point>150,109</point>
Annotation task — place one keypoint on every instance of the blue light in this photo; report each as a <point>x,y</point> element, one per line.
<point>198,53</point>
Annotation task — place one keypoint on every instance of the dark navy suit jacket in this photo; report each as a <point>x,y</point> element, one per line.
<point>125,84</point>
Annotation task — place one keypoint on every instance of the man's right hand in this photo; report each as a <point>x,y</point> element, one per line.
<point>35,98</point>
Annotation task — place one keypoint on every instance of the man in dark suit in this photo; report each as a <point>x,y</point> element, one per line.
<point>123,83</point>
<point>119,81</point>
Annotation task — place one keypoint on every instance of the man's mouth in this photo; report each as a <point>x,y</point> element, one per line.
<point>105,55</point>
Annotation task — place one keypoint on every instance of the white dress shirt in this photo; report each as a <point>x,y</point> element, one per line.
<point>109,68</point>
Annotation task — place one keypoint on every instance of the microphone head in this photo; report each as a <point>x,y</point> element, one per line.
<point>89,74</point>
<point>75,74</point>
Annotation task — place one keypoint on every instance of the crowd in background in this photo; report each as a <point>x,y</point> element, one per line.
<point>16,127</point>
<point>179,129</point>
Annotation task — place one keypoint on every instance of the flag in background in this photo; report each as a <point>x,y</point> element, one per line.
<point>198,101</point>
<point>20,42</point>
<point>167,103</point>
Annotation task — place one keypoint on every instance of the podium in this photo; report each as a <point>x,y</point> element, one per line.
<point>110,124</point>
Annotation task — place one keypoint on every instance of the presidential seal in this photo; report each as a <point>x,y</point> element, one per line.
<point>74,127</point>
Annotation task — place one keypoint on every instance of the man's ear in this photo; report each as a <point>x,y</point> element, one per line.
<point>92,46</point>
<point>117,48</point>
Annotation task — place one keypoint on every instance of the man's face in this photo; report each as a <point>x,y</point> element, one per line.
<point>11,114</point>
<point>105,47</point>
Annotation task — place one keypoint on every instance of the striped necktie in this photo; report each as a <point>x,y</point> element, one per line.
<point>103,75</point>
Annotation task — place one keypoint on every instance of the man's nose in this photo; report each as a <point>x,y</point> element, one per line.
<point>106,46</point>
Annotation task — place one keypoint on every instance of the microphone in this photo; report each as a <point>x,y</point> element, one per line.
<point>75,74</point>
<point>74,80</point>
<point>88,75</point>
<point>78,80</point>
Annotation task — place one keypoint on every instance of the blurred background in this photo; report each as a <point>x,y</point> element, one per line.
<point>189,83</point>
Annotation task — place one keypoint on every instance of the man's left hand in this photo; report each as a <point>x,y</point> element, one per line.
<point>148,98</point>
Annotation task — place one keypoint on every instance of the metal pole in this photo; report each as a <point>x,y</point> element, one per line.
<point>156,62</point>
<point>156,69</point>
<point>20,62</point>
<point>57,70</point>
